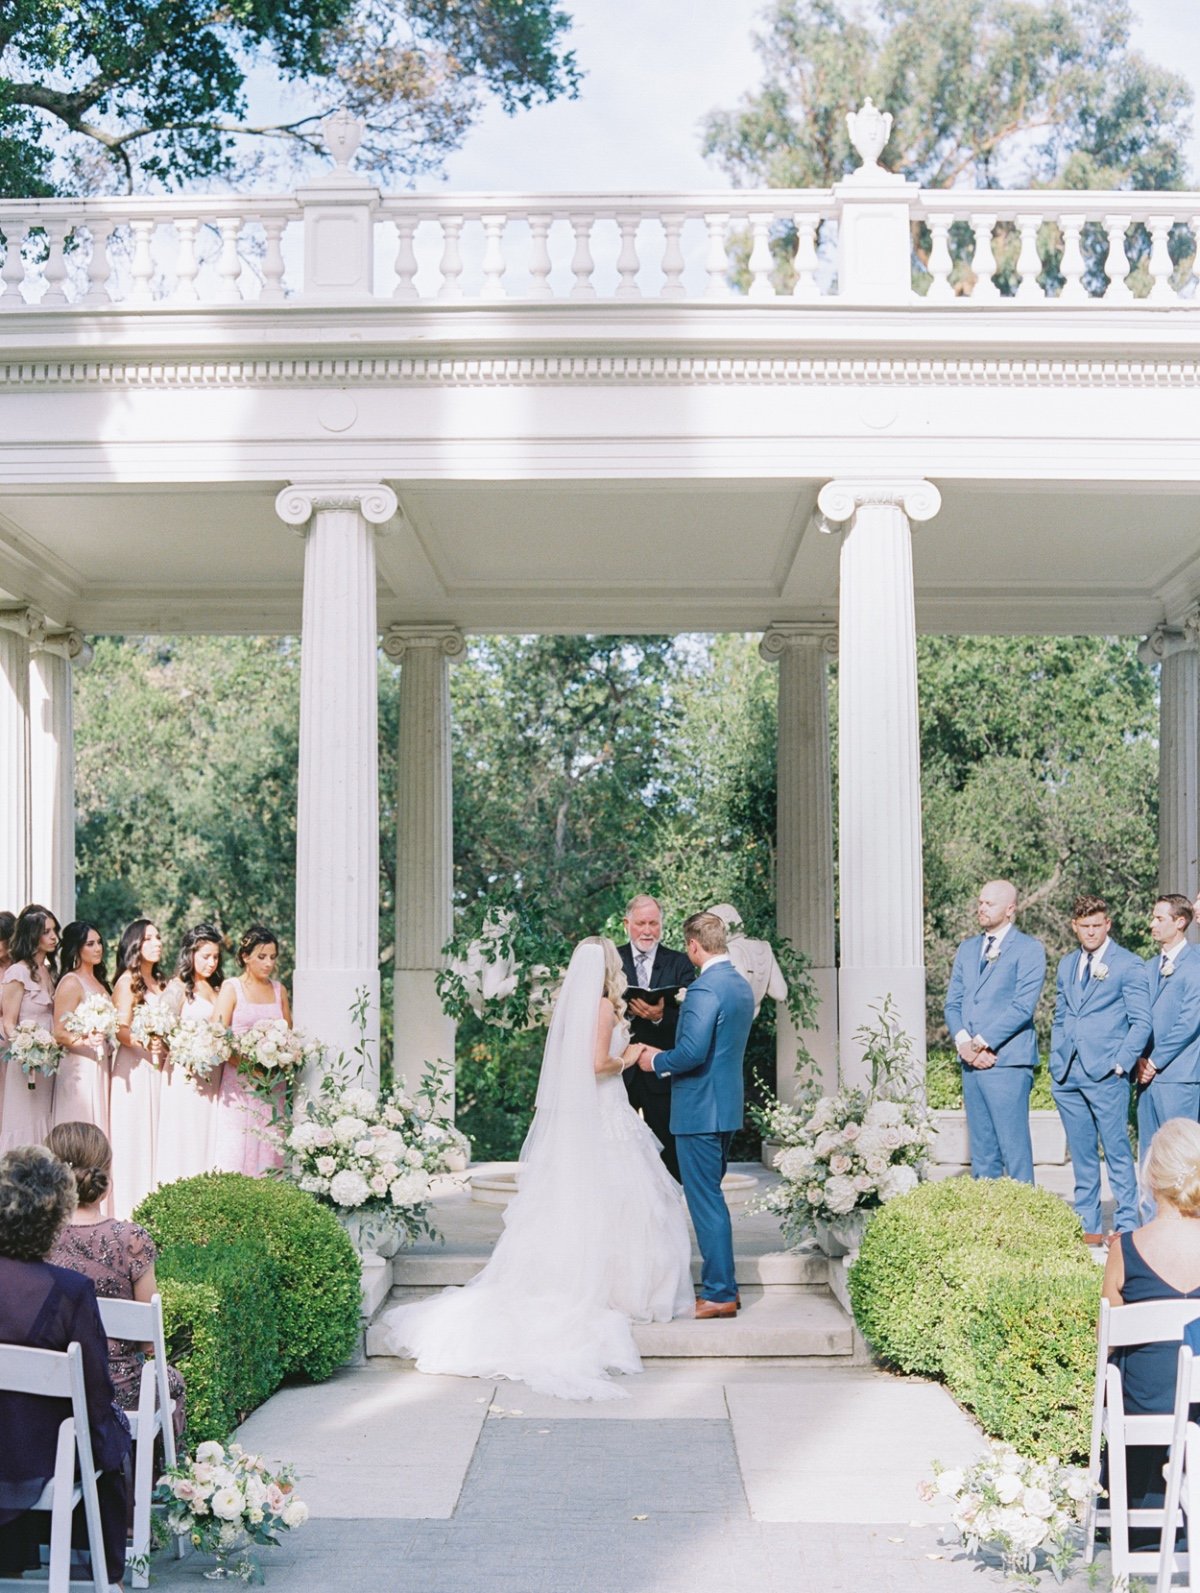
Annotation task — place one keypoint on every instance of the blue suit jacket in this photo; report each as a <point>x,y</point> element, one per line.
<point>705,1063</point>
<point>998,1001</point>
<point>1107,1025</point>
<point>1175,1015</point>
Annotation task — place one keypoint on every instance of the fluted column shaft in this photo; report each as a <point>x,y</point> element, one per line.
<point>52,773</point>
<point>804,902</point>
<point>879,761</point>
<point>337,815</point>
<point>15,851</point>
<point>424,847</point>
<point>1177,649</point>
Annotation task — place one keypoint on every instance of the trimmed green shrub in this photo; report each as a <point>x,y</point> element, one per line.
<point>1033,1358</point>
<point>929,1259</point>
<point>221,1317</point>
<point>319,1277</point>
<point>943,1084</point>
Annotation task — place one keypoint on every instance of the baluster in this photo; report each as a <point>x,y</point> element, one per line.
<point>1029,262</point>
<point>1116,264</point>
<point>272,264</point>
<point>229,263</point>
<point>1195,231</point>
<point>983,259</point>
<point>539,257</point>
<point>940,263</point>
<point>142,264</point>
<point>452,264</point>
<point>493,256</point>
<point>12,275</point>
<point>672,261</point>
<point>761,286</point>
<point>405,264</point>
<point>582,264</point>
<point>628,263</point>
<point>806,261</point>
<point>100,267</point>
<point>1161,291</point>
<point>717,262</point>
<point>1072,265</point>
<point>54,266</point>
<point>186,263</point>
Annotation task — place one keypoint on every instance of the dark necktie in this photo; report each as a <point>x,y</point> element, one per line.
<point>1087,971</point>
<point>643,971</point>
<point>985,957</point>
<point>1163,964</point>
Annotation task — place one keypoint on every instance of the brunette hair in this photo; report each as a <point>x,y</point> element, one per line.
<point>129,957</point>
<point>74,939</point>
<point>1085,906</point>
<point>199,935</point>
<point>1181,907</point>
<point>257,935</point>
<point>8,922</point>
<point>37,1195</point>
<point>28,930</point>
<point>86,1151</point>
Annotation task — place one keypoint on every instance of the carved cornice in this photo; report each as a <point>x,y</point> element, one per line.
<point>401,639</point>
<point>297,504</point>
<point>838,500</point>
<point>783,635</point>
<point>556,370</point>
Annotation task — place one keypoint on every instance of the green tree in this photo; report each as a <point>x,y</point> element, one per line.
<point>128,94</point>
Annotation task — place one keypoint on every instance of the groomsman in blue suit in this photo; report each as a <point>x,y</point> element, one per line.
<point>1101,1026</point>
<point>994,989</point>
<point>1169,1072</point>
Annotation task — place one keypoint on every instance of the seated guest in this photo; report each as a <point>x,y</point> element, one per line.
<point>117,1256</point>
<point>1159,1261</point>
<point>46,1308</point>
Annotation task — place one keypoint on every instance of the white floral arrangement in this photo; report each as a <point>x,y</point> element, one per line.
<point>152,1020</point>
<point>34,1049</point>
<point>843,1153</point>
<point>95,1018</point>
<point>269,1051</point>
<point>1023,1510</point>
<point>223,1496</point>
<point>372,1155</point>
<point>198,1048</point>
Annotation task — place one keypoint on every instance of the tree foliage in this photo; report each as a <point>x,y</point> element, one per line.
<point>101,94</point>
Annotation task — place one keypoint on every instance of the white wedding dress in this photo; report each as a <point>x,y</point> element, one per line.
<point>596,1238</point>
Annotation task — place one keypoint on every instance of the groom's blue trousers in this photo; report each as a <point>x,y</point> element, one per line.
<point>703,1159</point>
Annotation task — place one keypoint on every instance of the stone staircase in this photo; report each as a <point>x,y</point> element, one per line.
<point>791,1311</point>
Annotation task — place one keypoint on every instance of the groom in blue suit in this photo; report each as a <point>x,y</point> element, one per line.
<point>994,989</point>
<point>705,1069</point>
<point>1101,1026</point>
<point>1169,1072</point>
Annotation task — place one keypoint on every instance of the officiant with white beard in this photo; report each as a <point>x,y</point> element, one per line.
<point>649,965</point>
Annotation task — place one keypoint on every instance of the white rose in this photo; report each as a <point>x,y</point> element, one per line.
<point>891,1138</point>
<point>295,1513</point>
<point>1008,1459</point>
<point>1008,1487</point>
<point>324,1135</point>
<point>364,1147</point>
<point>227,1504</point>
<point>348,1188</point>
<point>851,1132</point>
<point>897,1181</point>
<point>389,1170</point>
<point>827,1141</point>
<point>1037,1502</point>
<point>1079,1487</point>
<point>950,1483</point>
<point>840,1163</point>
<point>876,1164</point>
<point>347,1129</point>
<point>379,1184</point>
<point>864,1183</point>
<point>840,1195</point>
<point>327,1166</point>
<point>208,1453</point>
<point>414,1157</point>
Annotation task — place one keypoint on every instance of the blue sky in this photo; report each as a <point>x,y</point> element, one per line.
<point>653,68</point>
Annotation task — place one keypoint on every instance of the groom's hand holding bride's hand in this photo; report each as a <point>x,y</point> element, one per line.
<point>646,1058</point>
<point>630,1055</point>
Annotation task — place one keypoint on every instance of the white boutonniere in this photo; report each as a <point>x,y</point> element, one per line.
<point>679,995</point>
<point>1168,970</point>
<point>993,955</point>
<point>1100,971</point>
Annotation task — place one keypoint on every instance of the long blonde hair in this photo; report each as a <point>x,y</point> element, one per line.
<point>615,982</point>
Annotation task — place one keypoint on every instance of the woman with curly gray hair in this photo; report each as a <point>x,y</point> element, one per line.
<point>48,1308</point>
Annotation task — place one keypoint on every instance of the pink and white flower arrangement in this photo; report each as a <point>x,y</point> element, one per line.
<point>95,1018</point>
<point>152,1020</point>
<point>269,1051</point>
<point>1023,1510</point>
<point>199,1047</point>
<point>223,1497</point>
<point>34,1050</point>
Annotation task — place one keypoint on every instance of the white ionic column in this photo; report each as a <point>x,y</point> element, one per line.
<point>424,847</point>
<point>17,625</point>
<point>52,769</point>
<point>879,760</point>
<point>337,817</point>
<point>1177,649</point>
<point>804,906</point>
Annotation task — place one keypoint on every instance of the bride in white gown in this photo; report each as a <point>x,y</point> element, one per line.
<point>597,1236</point>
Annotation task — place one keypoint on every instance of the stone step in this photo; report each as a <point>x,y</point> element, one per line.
<point>777,1269</point>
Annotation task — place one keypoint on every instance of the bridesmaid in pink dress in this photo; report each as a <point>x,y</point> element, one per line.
<point>27,996</point>
<point>243,1002</point>
<point>136,1072</point>
<point>187,1116</point>
<point>82,1083</point>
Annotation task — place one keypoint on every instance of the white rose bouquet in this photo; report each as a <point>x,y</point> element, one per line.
<point>34,1050</point>
<point>222,1497</point>
<point>373,1156</point>
<point>153,1020</point>
<point>269,1051</point>
<point>95,1018</point>
<point>1023,1510</point>
<point>199,1047</point>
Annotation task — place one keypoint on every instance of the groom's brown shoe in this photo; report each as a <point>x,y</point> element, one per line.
<point>710,1308</point>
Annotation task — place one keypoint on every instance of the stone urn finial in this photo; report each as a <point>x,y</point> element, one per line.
<point>870,128</point>
<point>343,133</point>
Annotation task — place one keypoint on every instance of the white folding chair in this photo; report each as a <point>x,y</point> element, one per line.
<point>1183,1474</point>
<point>141,1321</point>
<point>58,1374</point>
<point>1148,1322</point>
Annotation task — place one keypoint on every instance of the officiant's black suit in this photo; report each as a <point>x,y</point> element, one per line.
<point>647,1093</point>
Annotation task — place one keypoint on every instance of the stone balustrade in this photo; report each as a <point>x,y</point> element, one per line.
<point>967,247</point>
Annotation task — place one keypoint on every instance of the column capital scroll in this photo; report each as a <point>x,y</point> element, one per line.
<point>68,644</point>
<point>781,635</point>
<point>22,620</point>
<point>1169,638</point>
<point>839,499</point>
<point>297,504</point>
<point>401,639</point>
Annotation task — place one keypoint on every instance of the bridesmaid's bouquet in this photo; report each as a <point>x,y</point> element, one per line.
<point>269,1052</point>
<point>35,1051</point>
<point>95,1018</point>
<point>199,1048</point>
<point>153,1020</point>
